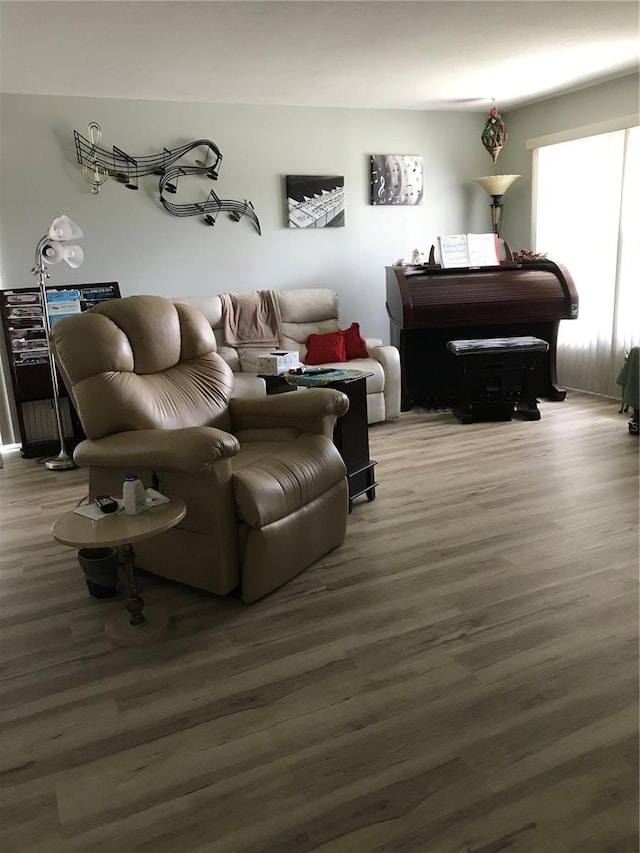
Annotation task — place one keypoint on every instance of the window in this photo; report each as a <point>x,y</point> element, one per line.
<point>587,217</point>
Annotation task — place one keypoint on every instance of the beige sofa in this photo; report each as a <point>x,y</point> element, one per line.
<point>303,312</point>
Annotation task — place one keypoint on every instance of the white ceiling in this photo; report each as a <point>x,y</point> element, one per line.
<point>392,54</point>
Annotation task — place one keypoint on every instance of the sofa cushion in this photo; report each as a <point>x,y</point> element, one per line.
<point>310,305</point>
<point>354,342</point>
<point>328,347</point>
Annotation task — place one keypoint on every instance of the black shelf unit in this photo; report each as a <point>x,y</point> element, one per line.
<point>28,355</point>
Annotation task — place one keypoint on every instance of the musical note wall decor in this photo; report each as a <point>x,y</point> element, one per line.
<point>98,164</point>
<point>396,179</point>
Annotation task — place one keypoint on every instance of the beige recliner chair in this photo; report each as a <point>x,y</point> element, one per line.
<point>264,485</point>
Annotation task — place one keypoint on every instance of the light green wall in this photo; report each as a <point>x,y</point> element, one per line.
<point>129,237</point>
<point>605,102</point>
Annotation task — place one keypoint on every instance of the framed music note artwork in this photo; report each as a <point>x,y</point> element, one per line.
<point>396,179</point>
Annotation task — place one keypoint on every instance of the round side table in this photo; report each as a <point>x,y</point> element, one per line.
<point>120,531</point>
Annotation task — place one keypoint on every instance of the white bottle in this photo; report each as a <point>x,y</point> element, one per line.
<point>133,495</point>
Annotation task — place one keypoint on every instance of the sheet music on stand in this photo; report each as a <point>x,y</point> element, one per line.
<point>469,250</point>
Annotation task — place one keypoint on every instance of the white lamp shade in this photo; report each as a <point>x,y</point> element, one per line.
<point>74,256</point>
<point>64,229</point>
<point>496,184</point>
<point>53,253</point>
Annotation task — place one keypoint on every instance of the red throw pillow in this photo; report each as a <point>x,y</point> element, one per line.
<point>354,343</point>
<point>324,348</point>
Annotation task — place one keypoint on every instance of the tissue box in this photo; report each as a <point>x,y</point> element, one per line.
<point>278,361</point>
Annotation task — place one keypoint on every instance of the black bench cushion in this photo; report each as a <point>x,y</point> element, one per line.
<point>473,346</point>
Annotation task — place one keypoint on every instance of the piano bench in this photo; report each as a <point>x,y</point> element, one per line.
<point>494,376</point>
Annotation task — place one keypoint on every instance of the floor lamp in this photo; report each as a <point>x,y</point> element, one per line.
<point>52,249</point>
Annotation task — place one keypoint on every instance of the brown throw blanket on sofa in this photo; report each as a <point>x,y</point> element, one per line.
<point>251,318</point>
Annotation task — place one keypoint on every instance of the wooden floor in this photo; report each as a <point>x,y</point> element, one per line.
<point>461,676</point>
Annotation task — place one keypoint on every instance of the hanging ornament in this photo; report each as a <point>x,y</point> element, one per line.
<point>494,135</point>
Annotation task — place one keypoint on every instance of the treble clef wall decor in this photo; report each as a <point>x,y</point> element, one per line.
<point>92,170</point>
<point>98,164</point>
<point>396,179</point>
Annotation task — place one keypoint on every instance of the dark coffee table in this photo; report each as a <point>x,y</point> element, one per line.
<point>351,432</point>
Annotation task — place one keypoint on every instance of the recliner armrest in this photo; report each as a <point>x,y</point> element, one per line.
<point>189,450</point>
<point>314,411</point>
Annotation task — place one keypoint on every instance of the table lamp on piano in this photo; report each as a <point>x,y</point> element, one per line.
<point>496,186</point>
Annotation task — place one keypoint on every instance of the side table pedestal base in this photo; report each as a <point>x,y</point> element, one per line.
<point>121,632</point>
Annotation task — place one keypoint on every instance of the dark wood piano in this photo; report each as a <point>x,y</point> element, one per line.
<point>429,305</point>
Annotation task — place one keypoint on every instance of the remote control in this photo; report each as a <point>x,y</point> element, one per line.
<point>106,503</point>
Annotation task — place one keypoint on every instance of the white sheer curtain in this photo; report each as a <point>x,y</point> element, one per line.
<point>586,216</point>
